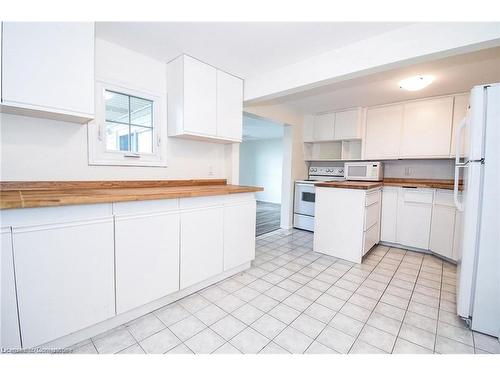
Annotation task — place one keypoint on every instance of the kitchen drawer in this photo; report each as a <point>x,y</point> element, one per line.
<point>370,238</point>
<point>372,197</point>
<point>303,222</point>
<point>372,214</point>
<point>417,195</point>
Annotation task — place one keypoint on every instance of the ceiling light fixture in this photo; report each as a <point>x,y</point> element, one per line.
<point>415,83</point>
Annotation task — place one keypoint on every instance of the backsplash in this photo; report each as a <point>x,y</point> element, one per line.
<point>439,169</point>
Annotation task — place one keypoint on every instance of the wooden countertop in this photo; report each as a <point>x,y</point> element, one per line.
<point>404,182</point>
<point>362,185</point>
<point>26,194</point>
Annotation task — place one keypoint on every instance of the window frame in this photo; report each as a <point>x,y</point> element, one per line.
<point>97,152</point>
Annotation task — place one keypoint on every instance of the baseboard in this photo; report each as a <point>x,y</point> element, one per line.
<point>417,250</point>
<point>86,333</point>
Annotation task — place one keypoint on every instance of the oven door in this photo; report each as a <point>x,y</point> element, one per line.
<point>304,199</point>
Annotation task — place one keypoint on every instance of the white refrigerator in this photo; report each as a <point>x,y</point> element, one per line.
<point>478,271</point>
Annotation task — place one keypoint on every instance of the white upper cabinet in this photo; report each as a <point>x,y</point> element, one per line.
<point>383,132</point>
<point>229,106</point>
<point>324,127</point>
<point>48,70</point>
<point>427,128</point>
<point>335,126</point>
<point>308,129</point>
<point>348,124</point>
<point>203,102</point>
<point>460,106</point>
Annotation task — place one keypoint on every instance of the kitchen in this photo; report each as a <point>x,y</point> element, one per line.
<point>125,228</point>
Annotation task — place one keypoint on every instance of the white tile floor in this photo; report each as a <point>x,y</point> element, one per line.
<point>293,300</point>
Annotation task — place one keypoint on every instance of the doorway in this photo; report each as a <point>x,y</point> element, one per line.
<point>261,164</point>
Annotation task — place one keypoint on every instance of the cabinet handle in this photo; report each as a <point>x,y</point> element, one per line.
<point>410,187</point>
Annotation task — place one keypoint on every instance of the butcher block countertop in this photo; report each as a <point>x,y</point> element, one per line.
<point>24,194</point>
<point>361,185</point>
<point>404,182</point>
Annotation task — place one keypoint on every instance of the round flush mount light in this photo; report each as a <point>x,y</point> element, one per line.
<point>416,83</point>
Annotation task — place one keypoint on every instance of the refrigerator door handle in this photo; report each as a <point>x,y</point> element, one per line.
<point>458,164</point>
<point>458,141</point>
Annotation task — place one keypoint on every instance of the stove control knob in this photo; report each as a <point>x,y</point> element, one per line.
<point>341,171</point>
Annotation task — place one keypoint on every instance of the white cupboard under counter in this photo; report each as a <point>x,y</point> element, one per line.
<point>77,270</point>
<point>347,219</point>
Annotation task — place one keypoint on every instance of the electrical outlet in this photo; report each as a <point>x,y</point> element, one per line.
<point>210,170</point>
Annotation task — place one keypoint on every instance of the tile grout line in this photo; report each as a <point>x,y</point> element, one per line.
<point>408,305</point>
<point>371,312</point>
<point>438,309</point>
<point>328,324</point>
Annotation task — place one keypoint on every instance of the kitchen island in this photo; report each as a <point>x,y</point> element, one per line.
<point>347,218</point>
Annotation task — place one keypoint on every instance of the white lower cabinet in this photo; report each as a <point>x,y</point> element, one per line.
<point>201,255</point>
<point>414,217</point>
<point>64,271</point>
<point>421,218</point>
<point>346,222</point>
<point>239,234</point>
<point>445,225</point>
<point>10,337</point>
<point>146,251</point>
<point>72,267</point>
<point>389,214</point>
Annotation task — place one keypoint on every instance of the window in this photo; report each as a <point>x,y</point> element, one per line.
<point>129,123</point>
<point>128,128</point>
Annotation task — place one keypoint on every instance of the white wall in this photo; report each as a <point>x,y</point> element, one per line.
<point>295,167</point>
<point>418,42</point>
<point>261,164</point>
<point>38,149</point>
<point>439,169</point>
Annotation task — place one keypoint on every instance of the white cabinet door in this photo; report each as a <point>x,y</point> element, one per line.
<point>49,66</point>
<point>443,224</point>
<point>348,124</point>
<point>239,234</point>
<point>460,106</point>
<point>201,245</point>
<point>427,128</point>
<point>324,127</point>
<point>389,214</point>
<point>414,217</point>
<point>200,97</point>
<point>65,277</point>
<point>147,258</point>
<point>229,106</point>
<point>442,230</point>
<point>383,132</point>
<point>10,337</point>
<point>308,129</point>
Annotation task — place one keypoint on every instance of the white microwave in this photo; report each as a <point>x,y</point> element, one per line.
<point>364,171</point>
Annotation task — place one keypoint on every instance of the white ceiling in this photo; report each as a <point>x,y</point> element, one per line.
<point>255,128</point>
<point>241,48</point>
<point>452,74</point>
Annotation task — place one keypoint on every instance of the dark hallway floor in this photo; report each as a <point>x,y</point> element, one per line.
<point>268,217</point>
